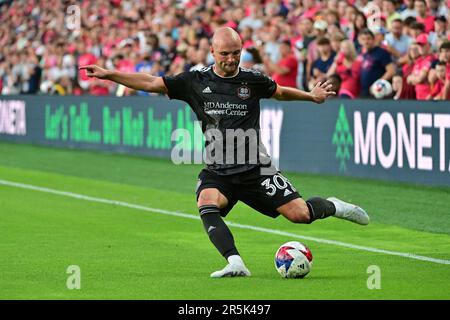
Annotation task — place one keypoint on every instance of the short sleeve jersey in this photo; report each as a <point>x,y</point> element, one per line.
<point>230,106</point>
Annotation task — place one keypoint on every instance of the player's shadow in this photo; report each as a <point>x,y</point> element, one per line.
<point>309,277</point>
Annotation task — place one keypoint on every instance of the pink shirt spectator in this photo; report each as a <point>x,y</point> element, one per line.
<point>428,22</point>
<point>310,13</point>
<point>422,64</point>
<point>126,65</point>
<point>349,76</point>
<point>99,88</point>
<point>84,60</point>
<point>248,44</point>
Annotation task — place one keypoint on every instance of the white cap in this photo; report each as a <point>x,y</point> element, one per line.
<point>321,25</point>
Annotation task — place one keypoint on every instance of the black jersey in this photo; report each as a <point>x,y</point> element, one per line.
<point>229,106</point>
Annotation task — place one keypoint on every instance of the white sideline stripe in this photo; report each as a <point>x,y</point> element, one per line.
<point>233,224</point>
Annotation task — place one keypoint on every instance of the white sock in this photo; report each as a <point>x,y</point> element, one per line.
<point>235,259</point>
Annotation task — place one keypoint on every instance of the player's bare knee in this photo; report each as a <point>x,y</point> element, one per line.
<point>210,197</point>
<point>207,201</point>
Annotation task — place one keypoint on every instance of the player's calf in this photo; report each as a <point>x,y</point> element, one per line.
<point>301,211</point>
<point>295,211</point>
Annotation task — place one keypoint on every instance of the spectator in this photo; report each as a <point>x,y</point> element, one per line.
<point>97,87</point>
<point>199,58</point>
<point>422,15</point>
<point>437,88</point>
<point>440,32</point>
<point>310,8</point>
<point>359,24</point>
<point>389,12</point>
<point>441,57</point>
<point>444,49</point>
<point>348,68</point>
<point>397,43</point>
<point>247,37</point>
<point>284,72</point>
<point>376,62</point>
<point>407,90</point>
<point>335,82</point>
<point>38,50</point>
<point>320,66</point>
<point>251,59</point>
<point>407,26</point>
<point>422,65</point>
<point>397,86</point>
<point>408,10</point>
<point>271,44</point>
<point>416,29</point>
<point>336,40</point>
<point>253,19</point>
<point>433,7</point>
<point>320,29</point>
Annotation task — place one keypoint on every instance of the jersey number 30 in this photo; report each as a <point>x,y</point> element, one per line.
<point>279,182</point>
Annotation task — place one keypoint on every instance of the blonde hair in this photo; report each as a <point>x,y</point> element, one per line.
<point>351,47</point>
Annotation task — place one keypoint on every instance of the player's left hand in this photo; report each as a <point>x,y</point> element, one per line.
<point>321,91</point>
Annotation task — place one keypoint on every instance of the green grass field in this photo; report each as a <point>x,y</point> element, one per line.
<point>127,252</point>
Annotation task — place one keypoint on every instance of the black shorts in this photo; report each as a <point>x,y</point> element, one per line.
<point>264,193</point>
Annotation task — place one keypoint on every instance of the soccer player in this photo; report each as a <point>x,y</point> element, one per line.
<point>225,99</point>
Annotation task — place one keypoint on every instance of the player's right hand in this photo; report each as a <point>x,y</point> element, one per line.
<point>95,71</point>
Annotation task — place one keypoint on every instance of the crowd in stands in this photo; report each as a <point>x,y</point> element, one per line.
<point>296,42</point>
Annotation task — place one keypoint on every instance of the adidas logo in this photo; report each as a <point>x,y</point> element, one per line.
<point>287,192</point>
<point>207,90</point>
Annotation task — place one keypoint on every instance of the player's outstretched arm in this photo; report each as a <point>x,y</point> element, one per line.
<point>136,81</point>
<point>318,94</point>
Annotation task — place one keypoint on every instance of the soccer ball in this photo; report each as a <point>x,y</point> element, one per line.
<point>381,88</point>
<point>293,260</point>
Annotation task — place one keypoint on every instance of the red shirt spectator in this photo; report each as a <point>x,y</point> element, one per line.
<point>422,64</point>
<point>99,88</point>
<point>287,79</point>
<point>428,22</point>
<point>84,60</point>
<point>436,89</point>
<point>310,8</point>
<point>423,16</point>
<point>284,73</point>
<point>408,91</point>
<point>349,76</point>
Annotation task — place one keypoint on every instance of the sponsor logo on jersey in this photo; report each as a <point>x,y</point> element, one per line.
<point>207,90</point>
<point>229,109</point>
